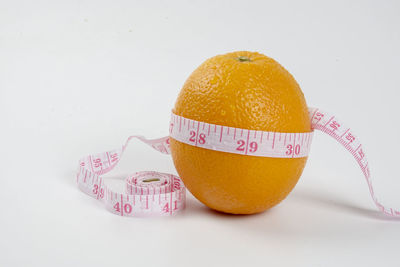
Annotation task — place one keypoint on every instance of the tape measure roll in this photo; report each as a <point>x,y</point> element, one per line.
<point>147,193</point>
<point>154,193</point>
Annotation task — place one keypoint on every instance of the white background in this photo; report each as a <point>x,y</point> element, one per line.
<point>78,77</point>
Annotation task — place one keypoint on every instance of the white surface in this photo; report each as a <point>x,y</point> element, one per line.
<point>78,77</point>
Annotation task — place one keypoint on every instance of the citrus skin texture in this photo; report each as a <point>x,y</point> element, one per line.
<point>245,90</point>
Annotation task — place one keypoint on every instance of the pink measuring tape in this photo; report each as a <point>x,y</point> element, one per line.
<point>153,193</point>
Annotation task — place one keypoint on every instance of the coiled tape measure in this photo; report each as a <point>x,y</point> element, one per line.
<point>161,194</point>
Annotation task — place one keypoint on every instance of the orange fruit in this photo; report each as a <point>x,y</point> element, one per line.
<point>245,90</point>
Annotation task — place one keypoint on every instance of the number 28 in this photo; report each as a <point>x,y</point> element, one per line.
<point>201,138</point>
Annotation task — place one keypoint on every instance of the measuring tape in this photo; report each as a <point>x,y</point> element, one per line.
<point>240,141</point>
<point>153,193</point>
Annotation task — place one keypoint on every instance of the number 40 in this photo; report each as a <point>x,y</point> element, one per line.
<point>127,208</point>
